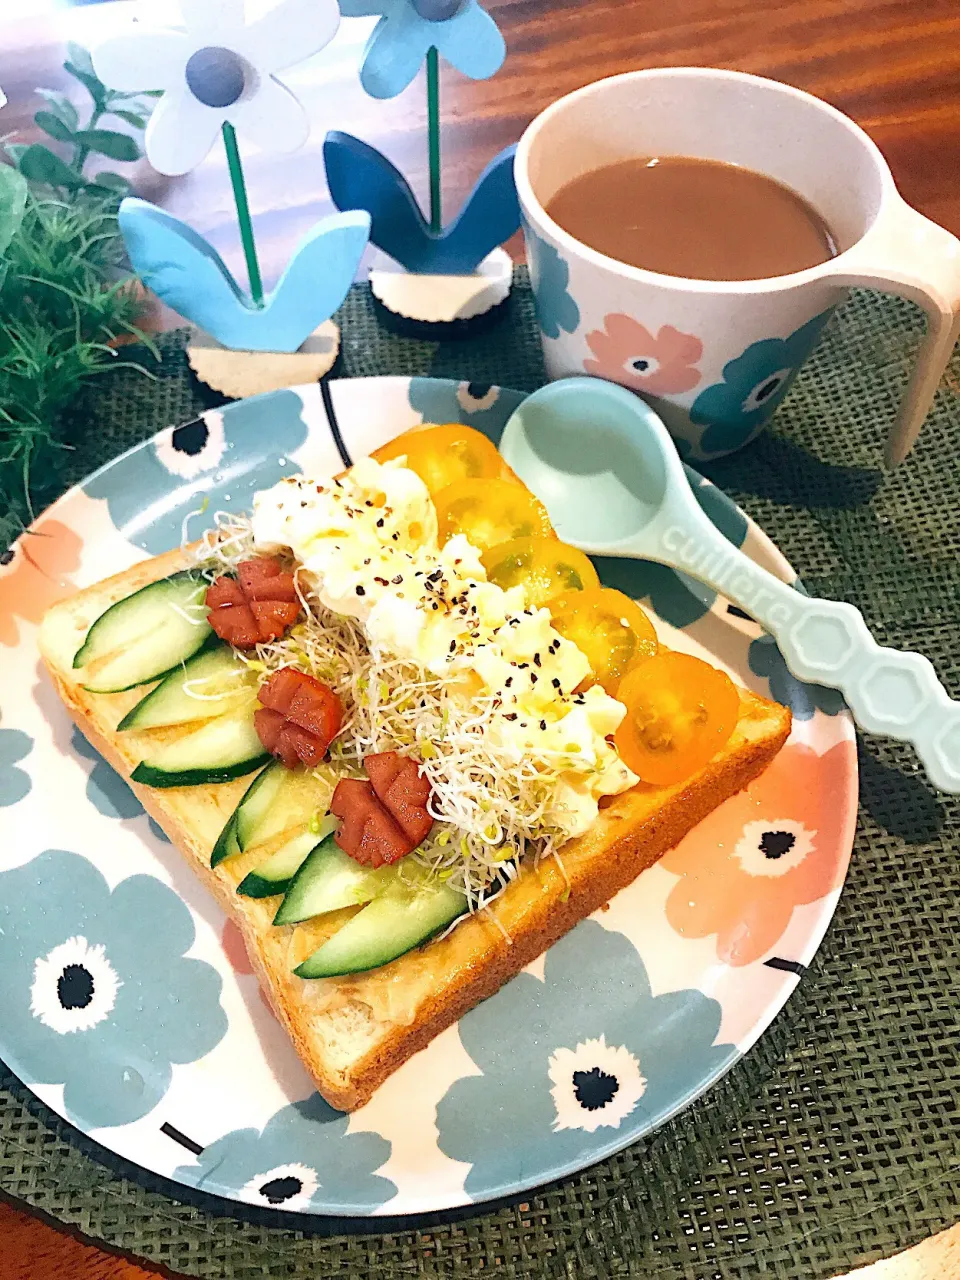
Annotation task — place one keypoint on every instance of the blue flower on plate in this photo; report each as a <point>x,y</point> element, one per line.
<point>753,385</point>
<point>803,699</point>
<point>475,404</point>
<point>106,790</point>
<point>590,1058</point>
<point>14,783</point>
<point>460,30</point>
<point>223,456</point>
<point>303,1160</point>
<point>550,277</point>
<point>675,597</point>
<point>97,994</point>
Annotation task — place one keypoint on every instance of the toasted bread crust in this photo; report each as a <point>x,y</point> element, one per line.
<point>353,1033</point>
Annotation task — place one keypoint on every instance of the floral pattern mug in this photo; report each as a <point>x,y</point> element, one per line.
<point>718,357</point>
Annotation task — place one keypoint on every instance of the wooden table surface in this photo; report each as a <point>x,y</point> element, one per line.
<point>893,65</point>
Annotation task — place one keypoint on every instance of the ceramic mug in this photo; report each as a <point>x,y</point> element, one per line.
<point>717,357</point>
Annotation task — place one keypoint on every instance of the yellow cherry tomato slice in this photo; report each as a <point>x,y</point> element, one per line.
<point>489,512</point>
<point>680,713</point>
<point>609,629</point>
<point>444,455</point>
<point>544,567</point>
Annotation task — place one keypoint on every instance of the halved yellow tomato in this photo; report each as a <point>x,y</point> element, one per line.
<point>544,567</point>
<point>609,628</point>
<point>680,712</point>
<point>489,512</point>
<point>443,455</point>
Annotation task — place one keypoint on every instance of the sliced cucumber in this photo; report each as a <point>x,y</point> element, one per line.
<point>227,845</point>
<point>218,751</point>
<point>274,875</point>
<point>257,800</point>
<point>329,880</point>
<point>145,635</point>
<point>211,683</point>
<point>384,930</point>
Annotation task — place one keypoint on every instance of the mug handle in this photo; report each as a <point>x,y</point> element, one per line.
<point>906,253</point>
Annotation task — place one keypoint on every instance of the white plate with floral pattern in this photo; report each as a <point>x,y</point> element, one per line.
<point>128,1005</point>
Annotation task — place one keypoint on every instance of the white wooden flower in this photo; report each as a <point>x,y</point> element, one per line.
<point>219,68</point>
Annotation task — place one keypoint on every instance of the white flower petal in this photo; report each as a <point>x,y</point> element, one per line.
<point>3,98</point>
<point>594,1085</point>
<point>771,847</point>
<point>74,987</point>
<point>272,118</point>
<point>216,22</point>
<point>290,32</point>
<point>181,131</point>
<point>277,1188</point>
<point>143,59</point>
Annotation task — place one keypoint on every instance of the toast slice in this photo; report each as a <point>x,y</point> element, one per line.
<point>352,1033</point>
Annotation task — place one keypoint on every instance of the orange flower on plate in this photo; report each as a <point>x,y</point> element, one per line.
<point>780,843</point>
<point>34,573</point>
<point>628,353</point>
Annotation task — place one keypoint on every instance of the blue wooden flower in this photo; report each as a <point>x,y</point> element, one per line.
<point>304,1159</point>
<point>97,994</point>
<point>461,31</point>
<point>360,177</point>
<point>550,276</point>
<point>574,1065</point>
<point>14,783</point>
<point>150,491</point>
<point>753,385</point>
<point>188,274</point>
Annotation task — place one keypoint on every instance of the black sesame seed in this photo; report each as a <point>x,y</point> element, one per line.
<point>453,646</point>
<point>508,682</point>
<point>361,591</point>
<point>395,537</point>
<point>543,726</point>
<point>533,677</point>
<point>523,665</point>
<point>367,561</point>
<point>511,715</point>
<point>380,523</point>
<point>398,579</point>
<point>536,659</point>
<point>555,682</point>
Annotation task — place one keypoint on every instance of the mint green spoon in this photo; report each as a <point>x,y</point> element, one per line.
<point>602,463</point>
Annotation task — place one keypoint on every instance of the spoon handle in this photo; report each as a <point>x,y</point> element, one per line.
<point>827,642</point>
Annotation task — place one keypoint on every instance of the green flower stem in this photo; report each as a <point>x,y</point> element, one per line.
<point>433,126</point>
<point>243,212</point>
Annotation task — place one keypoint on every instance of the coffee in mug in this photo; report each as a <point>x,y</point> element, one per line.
<point>702,219</point>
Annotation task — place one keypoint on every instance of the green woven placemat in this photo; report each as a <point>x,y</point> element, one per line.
<point>837,1140</point>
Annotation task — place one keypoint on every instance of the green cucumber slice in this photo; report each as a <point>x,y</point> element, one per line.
<point>329,880</point>
<point>257,801</point>
<point>275,874</point>
<point>211,683</point>
<point>226,846</point>
<point>145,635</point>
<point>218,751</point>
<point>385,929</point>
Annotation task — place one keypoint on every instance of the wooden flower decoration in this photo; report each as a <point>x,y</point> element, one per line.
<point>219,70</point>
